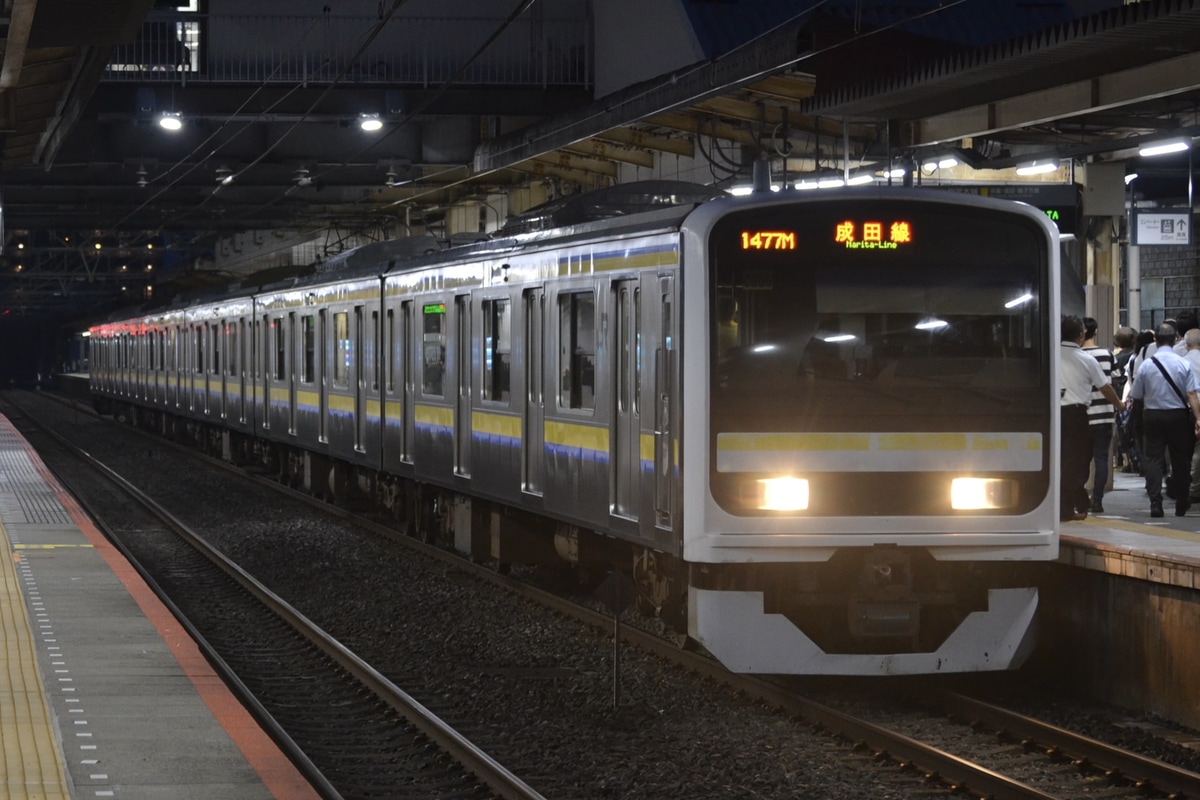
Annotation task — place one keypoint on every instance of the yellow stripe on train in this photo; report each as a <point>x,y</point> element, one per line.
<point>879,452</point>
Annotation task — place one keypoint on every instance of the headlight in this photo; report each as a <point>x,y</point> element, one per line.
<point>974,494</point>
<point>780,494</point>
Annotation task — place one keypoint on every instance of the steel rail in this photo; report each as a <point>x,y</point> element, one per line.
<point>489,771</point>
<point>1116,762</point>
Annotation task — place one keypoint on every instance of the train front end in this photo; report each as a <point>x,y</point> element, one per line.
<point>876,465</point>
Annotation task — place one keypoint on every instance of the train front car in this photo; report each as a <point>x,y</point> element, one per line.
<point>880,440</point>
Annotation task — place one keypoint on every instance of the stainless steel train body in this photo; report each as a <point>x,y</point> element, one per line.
<point>821,430</point>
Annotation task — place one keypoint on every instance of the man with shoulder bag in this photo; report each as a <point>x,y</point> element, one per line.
<point>1167,387</point>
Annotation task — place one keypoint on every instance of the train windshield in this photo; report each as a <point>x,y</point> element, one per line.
<point>878,315</point>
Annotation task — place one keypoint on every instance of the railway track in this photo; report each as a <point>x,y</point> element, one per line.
<point>976,749</point>
<point>352,731</point>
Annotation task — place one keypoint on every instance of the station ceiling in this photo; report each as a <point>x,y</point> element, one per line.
<point>818,92</point>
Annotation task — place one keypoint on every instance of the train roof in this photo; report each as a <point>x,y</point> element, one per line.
<point>627,209</point>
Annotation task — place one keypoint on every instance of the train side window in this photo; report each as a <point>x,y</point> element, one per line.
<point>198,334</point>
<point>280,350</point>
<point>216,348</point>
<point>389,347</point>
<point>308,335</point>
<point>231,339</point>
<point>433,366</point>
<point>497,349</point>
<point>577,350</point>
<point>343,349</point>
<point>369,351</point>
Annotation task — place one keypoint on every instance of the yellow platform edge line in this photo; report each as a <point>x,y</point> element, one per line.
<point>29,738</point>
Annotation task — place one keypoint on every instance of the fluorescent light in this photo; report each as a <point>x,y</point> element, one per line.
<point>1019,301</point>
<point>1130,178</point>
<point>1037,168</point>
<point>931,324</point>
<point>839,337</point>
<point>944,163</point>
<point>1164,148</point>
<point>806,185</point>
<point>763,348</point>
<point>170,121</point>
<point>741,191</point>
<point>369,122</point>
<point>898,172</point>
<point>830,183</point>
<point>859,180</point>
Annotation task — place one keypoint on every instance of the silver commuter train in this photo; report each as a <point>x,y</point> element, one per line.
<point>816,430</point>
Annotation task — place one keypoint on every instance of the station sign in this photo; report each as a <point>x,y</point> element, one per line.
<point>1162,226</point>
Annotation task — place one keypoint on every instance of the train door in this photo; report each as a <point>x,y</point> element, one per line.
<point>462,413</point>
<point>626,457</point>
<point>408,346</point>
<point>239,329</point>
<point>533,463</point>
<point>268,356</point>
<point>360,382</point>
<point>220,365</point>
<point>177,358</point>
<point>289,374</point>
<point>665,391</point>
<point>322,377</point>
<point>196,394</point>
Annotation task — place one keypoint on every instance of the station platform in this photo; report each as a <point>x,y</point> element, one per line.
<point>1125,540</point>
<point>102,693</point>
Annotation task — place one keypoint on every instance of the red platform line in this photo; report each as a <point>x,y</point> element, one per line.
<point>277,772</point>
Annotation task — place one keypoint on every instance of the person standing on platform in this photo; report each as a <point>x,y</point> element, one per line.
<point>1191,341</point>
<point>1167,387</point>
<point>1101,414</point>
<point>1080,375</point>
<point>1184,322</point>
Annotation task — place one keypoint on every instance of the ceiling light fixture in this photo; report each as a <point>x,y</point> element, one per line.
<point>1164,148</point>
<point>941,163</point>
<point>170,121</point>
<point>369,122</point>
<point>1037,168</point>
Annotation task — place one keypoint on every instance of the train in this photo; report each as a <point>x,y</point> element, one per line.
<point>817,431</point>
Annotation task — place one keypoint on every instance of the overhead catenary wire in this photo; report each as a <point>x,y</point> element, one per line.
<point>610,109</point>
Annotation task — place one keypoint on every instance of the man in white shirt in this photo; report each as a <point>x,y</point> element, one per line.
<point>1080,374</point>
<point>1191,341</point>
<point>1167,387</point>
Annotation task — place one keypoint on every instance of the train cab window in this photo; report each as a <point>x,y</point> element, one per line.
<point>497,349</point>
<point>308,334</point>
<point>343,350</point>
<point>433,341</point>
<point>280,349</point>
<point>577,350</point>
